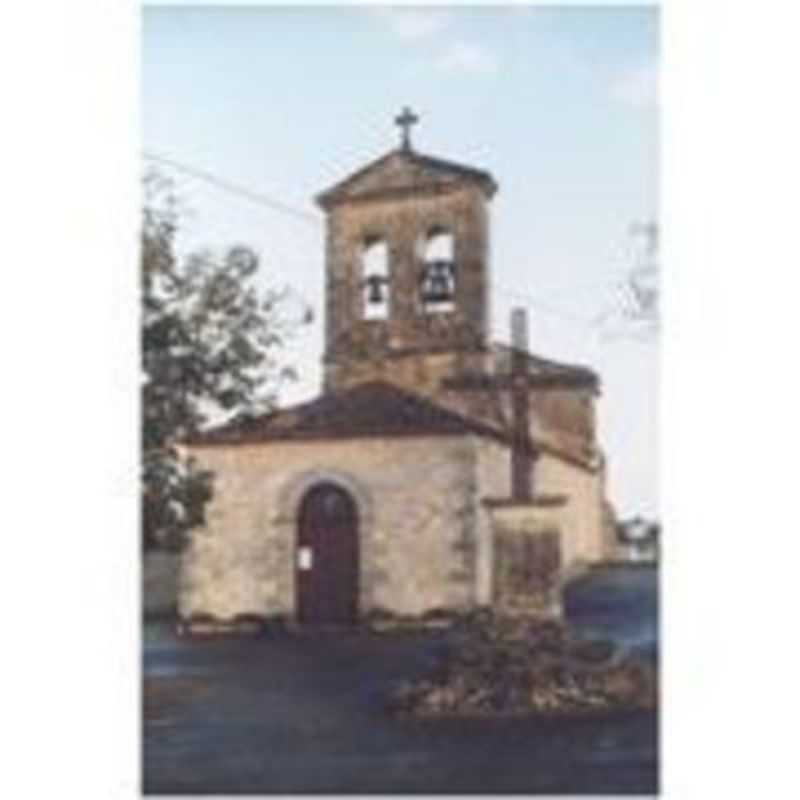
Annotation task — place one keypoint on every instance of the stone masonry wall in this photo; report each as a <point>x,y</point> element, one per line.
<point>416,499</point>
<point>580,518</point>
<point>528,559</point>
<point>404,222</point>
<point>585,537</point>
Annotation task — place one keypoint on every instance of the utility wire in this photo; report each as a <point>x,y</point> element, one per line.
<point>225,185</point>
<point>310,218</point>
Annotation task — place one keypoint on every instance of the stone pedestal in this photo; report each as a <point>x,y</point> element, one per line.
<point>527,573</point>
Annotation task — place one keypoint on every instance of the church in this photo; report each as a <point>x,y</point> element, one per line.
<point>437,470</point>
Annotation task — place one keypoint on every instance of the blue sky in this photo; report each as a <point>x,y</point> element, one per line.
<point>559,103</point>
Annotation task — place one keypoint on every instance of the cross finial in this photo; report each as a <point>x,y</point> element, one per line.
<point>404,121</point>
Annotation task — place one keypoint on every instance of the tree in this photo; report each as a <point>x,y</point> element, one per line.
<point>636,309</point>
<point>643,280</point>
<point>210,343</point>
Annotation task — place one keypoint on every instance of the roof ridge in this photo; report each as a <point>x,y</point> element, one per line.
<point>425,400</point>
<point>546,362</point>
<point>444,421</point>
<point>329,411</point>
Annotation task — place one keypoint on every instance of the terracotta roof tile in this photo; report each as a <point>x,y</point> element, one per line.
<point>369,409</point>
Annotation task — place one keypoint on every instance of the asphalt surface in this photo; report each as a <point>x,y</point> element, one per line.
<point>304,714</point>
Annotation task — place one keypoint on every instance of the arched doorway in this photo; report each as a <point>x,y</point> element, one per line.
<point>327,557</point>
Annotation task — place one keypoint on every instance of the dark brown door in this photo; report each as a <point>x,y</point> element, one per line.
<point>327,557</point>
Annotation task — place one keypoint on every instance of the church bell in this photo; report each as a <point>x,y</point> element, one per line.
<point>437,282</point>
<point>376,294</point>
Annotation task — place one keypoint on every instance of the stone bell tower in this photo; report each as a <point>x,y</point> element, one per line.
<point>407,269</point>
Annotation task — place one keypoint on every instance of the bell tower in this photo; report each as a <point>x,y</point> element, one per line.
<point>407,268</point>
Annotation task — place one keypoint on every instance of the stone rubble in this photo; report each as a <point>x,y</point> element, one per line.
<point>495,666</point>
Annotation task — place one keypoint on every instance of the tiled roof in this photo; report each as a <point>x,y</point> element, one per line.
<point>542,372</point>
<point>546,368</point>
<point>373,409</point>
<point>369,409</point>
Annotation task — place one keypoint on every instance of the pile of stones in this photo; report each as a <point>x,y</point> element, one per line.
<point>493,665</point>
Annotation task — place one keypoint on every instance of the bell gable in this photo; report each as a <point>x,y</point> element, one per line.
<point>404,171</point>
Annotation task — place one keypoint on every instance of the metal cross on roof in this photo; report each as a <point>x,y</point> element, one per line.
<point>404,121</point>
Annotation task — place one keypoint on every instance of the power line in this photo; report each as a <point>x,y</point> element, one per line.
<point>310,218</point>
<point>225,185</point>
<point>543,307</point>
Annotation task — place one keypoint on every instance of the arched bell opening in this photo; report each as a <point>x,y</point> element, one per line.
<point>375,297</point>
<point>437,279</point>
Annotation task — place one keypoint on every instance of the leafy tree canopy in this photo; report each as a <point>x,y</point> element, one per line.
<point>210,346</point>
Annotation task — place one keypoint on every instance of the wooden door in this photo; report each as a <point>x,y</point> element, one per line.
<point>327,557</point>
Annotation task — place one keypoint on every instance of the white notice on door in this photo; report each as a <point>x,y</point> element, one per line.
<point>304,558</point>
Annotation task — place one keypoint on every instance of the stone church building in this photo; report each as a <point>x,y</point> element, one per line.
<point>437,469</point>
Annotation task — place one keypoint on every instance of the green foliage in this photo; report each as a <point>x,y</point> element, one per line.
<point>210,341</point>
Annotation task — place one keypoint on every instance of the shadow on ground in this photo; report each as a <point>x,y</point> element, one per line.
<point>305,715</point>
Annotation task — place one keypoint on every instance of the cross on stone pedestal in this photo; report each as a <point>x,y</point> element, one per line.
<point>519,383</point>
<point>404,121</point>
<point>521,457</point>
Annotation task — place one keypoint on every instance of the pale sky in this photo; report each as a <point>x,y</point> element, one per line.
<point>559,103</point>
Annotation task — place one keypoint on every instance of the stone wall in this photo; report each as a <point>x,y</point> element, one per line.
<point>564,419</point>
<point>417,502</point>
<point>583,516</point>
<point>580,517</point>
<point>421,373</point>
<point>353,344</point>
<point>528,568</point>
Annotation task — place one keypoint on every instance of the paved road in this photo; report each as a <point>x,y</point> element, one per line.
<point>295,714</point>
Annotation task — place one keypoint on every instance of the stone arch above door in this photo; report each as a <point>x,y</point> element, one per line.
<point>285,521</point>
<point>295,488</point>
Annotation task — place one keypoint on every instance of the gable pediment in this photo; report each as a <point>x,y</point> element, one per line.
<point>404,171</point>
